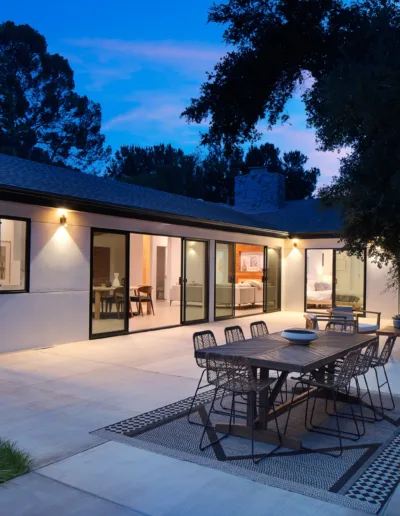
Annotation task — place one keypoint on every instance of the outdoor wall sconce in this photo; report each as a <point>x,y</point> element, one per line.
<point>295,242</point>
<point>63,218</point>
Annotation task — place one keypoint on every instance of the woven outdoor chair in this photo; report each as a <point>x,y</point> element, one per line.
<point>362,367</point>
<point>233,334</point>
<point>341,326</point>
<point>258,329</point>
<point>237,378</point>
<point>332,383</point>
<point>381,361</point>
<point>202,340</point>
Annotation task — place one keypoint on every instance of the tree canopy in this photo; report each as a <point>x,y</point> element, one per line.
<point>349,52</point>
<point>41,116</point>
<point>209,175</point>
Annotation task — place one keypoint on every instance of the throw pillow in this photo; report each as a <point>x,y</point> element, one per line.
<point>319,286</point>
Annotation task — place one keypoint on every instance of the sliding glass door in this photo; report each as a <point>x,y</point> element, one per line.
<point>194,281</point>
<point>349,284</point>
<point>109,283</point>
<point>224,280</point>
<point>333,278</point>
<point>272,279</point>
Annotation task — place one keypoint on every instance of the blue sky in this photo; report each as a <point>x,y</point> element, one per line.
<point>143,60</point>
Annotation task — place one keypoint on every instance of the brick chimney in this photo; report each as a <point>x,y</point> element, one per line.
<point>259,191</point>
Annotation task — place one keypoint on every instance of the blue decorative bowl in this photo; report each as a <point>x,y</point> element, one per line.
<point>300,337</point>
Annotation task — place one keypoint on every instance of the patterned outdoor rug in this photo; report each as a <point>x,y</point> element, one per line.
<point>362,478</point>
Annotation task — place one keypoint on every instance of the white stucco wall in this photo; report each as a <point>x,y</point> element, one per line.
<point>56,310</point>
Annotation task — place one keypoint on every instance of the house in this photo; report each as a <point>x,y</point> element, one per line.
<point>76,249</point>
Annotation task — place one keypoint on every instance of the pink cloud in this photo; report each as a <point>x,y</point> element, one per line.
<point>295,136</point>
<point>191,56</point>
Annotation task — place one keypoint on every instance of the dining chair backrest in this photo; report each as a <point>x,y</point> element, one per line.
<point>119,292</point>
<point>387,350</point>
<point>346,311</point>
<point>237,375</point>
<point>123,282</point>
<point>341,326</point>
<point>234,334</point>
<point>145,289</point>
<point>258,329</point>
<point>203,340</point>
<point>346,371</point>
<point>365,359</point>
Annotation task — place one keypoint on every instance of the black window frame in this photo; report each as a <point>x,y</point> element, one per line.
<point>27,255</point>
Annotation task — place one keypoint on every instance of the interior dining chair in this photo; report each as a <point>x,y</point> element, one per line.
<point>144,296</point>
<point>119,298</point>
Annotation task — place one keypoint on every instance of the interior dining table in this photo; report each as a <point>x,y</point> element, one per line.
<point>273,352</point>
<point>100,290</point>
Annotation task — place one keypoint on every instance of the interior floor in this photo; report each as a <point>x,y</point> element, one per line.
<point>166,314</point>
<point>248,310</point>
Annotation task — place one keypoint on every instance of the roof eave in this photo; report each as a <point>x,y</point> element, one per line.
<point>36,197</point>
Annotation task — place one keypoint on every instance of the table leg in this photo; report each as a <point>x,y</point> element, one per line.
<point>261,433</point>
<point>97,301</point>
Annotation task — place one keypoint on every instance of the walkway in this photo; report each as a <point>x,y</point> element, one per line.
<point>52,398</point>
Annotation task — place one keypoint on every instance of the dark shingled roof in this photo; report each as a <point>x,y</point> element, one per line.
<point>306,216</point>
<point>20,175</point>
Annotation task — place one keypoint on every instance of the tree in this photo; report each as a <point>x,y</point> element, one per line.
<point>41,116</point>
<point>299,183</point>
<point>351,51</point>
<point>266,155</point>
<point>357,105</point>
<point>161,167</point>
<point>276,44</point>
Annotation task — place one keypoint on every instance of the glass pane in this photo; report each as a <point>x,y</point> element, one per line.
<point>109,271</point>
<point>319,278</point>
<point>224,279</point>
<point>196,280</point>
<point>349,281</point>
<point>249,288</point>
<point>12,254</point>
<point>273,279</point>
<point>154,263</point>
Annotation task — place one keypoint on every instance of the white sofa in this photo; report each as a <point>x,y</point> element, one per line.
<point>194,293</point>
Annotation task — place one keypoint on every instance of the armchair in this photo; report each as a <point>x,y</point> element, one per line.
<point>356,315</point>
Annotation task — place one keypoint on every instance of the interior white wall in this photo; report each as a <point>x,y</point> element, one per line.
<point>11,231</point>
<point>116,243</point>
<point>173,263</point>
<point>157,241</point>
<point>136,259</point>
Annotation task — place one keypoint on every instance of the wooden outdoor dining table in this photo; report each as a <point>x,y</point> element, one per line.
<point>273,352</point>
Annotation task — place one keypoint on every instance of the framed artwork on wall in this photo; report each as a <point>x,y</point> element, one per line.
<point>5,263</point>
<point>251,262</point>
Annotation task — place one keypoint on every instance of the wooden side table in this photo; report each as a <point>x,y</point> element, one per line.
<point>388,331</point>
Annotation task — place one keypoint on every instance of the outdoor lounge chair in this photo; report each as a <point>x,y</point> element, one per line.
<point>355,315</point>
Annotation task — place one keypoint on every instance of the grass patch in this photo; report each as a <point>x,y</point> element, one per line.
<point>13,462</point>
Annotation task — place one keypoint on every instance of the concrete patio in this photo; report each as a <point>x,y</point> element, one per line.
<point>52,398</point>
